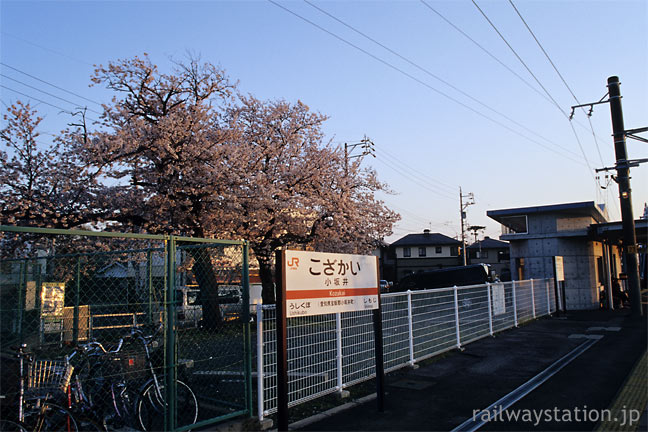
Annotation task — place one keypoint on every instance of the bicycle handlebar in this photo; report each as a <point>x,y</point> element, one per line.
<point>134,333</point>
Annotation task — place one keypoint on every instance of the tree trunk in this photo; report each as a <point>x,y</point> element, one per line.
<point>266,272</point>
<point>207,280</point>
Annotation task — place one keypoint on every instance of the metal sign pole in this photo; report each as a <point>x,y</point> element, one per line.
<point>378,346</point>
<point>556,283</point>
<point>282,343</point>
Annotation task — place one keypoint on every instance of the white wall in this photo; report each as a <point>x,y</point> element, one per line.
<point>430,252</point>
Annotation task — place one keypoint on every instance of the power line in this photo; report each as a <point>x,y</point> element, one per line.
<point>44,102</point>
<point>517,55</point>
<point>491,55</point>
<point>413,179</point>
<point>386,63</point>
<point>49,83</point>
<point>414,172</point>
<point>537,81</point>
<point>47,93</point>
<point>410,214</point>
<point>47,49</point>
<point>561,77</point>
<point>428,72</point>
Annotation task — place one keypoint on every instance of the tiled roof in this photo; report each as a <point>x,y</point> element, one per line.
<point>489,243</point>
<point>426,239</point>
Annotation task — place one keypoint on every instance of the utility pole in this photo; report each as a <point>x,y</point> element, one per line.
<point>367,147</point>
<point>622,167</point>
<point>462,213</point>
<point>623,179</point>
<point>475,229</point>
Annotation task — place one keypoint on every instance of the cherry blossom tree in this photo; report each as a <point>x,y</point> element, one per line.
<point>184,154</point>
<point>44,183</point>
<point>162,139</point>
<point>292,188</point>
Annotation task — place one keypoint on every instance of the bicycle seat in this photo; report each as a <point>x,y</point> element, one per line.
<point>21,351</point>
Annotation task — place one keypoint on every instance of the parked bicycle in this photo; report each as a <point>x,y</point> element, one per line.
<point>124,386</point>
<point>41,384</point>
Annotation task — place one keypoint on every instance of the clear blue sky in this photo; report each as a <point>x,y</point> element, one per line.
<point>500,137</point>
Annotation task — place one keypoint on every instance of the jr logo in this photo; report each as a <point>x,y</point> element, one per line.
<point>293,263</point>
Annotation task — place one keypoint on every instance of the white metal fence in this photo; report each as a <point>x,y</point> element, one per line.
<point>328,353</point>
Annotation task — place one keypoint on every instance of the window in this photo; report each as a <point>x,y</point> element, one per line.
<point>407,252</point>
<point>514,225</point>
<point>503,256</point>
<point>422,252</point>
<point>483,254</point>
<point>438,249</point>
<point>454,251</point>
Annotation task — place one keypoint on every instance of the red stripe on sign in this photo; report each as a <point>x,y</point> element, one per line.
<point>329,293</point>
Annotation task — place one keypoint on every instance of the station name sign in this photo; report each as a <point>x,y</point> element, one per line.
<point>318,283</point>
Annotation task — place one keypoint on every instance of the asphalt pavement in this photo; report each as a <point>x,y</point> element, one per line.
<point>568,371</point>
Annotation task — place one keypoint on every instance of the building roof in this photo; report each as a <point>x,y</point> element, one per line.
<point>613,231</point>
<point>586,208</point>
<point>489,243</point>
<point>426,239</point>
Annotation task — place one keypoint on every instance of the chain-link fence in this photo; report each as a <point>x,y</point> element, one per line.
<point>328,353</point>
<point>156,327</point>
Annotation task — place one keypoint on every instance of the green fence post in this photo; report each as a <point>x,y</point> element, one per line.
<point>247,349</point>
<point>149,276</point>
<point>22,280</point>
<point>39,287</point>
<point>77,290</point>
<point>170,345</point>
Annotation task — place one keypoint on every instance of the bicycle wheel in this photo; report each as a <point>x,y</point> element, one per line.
<point>10,426</point>
<point>151,407</point>
<point>89,424</point>
<point>123,400</point>
<point>49,417</point>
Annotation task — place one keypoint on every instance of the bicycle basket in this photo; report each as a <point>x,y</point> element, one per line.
<point>46,376</point>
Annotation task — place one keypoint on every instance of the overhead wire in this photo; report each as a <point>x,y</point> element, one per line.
<point>47,93</point>
<point>49,83</point>
<point>47,49</point>
<point>444,187</point>
<point>517,56</point>
<point>413,179</point>
<point>430,87</point>
<point>481,47</point>
<point>580,145</point>
<point>413,172</point>
<point>45,102</point>
<point>429,73</point>
<point>410,214</point>
<point>403,171</point>
<point>559,75</point>
<point>490,54</point>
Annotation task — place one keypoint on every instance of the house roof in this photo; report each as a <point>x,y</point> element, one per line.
<point>426,239</point>
<point>489,243</point>
<point>586,208</point>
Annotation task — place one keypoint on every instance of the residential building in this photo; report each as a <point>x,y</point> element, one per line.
<point>425,251</point>
<point>493,252</point>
